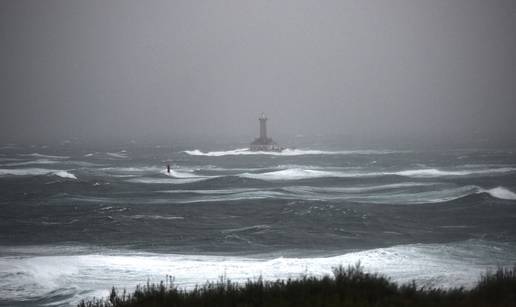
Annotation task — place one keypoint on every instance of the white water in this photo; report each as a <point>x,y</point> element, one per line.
<point>501,193</point>
<point>65,174</point>
<point>132,169</point>
<point>400,193</point>
<point>36,172</point>
<point>432,172</point>
<point>174,177</point>
<point>297,174</point>
<point>151,180</point>
<point>303,173</point>
<point>40,272</point>
<point>183,174</point>
<point>286,152</point>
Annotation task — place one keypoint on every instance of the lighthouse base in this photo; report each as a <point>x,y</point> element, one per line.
<point>266,147</point>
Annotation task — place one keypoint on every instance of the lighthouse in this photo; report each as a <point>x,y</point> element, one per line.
<point>264,143</point>
<point>263,126</point>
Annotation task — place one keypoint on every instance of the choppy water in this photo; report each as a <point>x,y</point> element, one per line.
<point>74,221</point>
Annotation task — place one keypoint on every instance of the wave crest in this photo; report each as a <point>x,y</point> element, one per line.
<point>38,275</point>
<point>501,193</point>
<point>303,173</point>
<point>410,193</point>
<point>297,174</point>
<point>65,174</point>
<point>433,172</point>
<point>37,172</point>
<point>286,152</point>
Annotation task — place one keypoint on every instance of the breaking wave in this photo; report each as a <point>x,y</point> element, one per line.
<point>183,174</point>
<point>151,180</point>
<point>286,152</point>
<point>432,172</point>
<point>40,273</point>
<point>301,173</point>
<point>501,193</point>
<point>65,174</point>
<point>398,194</point>
<point>132,169</point>
<point>174,177</point>
<point>433,196</point>
<point>139,170</point>
<point>36,172</point>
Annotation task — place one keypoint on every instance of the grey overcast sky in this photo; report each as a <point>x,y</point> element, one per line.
<point>122,70</point>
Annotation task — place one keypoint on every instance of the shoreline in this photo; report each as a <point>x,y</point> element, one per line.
<point>349,286</point>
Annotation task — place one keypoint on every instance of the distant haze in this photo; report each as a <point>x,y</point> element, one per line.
<point>400,71</point>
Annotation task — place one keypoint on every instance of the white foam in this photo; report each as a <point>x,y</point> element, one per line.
<point>399,193</point>
<point>432,172</point>
<point>174,177</point>
<point>249,195</point>
<point>65,174</point>
<point>24,171</point>
<point>372,194</point>
<point>438,265</point>
<point>304,173</point>
<point>36,172</point>
<point>137,170</point>
<point>501,193</point>
<point>286,152</point>
<point>418,197</point>
<point>183,174</point>
<point>132,169</point>
<point>363,188</point>
<point>388,194</point>
<point>150,180</point>
<point>300,173</point>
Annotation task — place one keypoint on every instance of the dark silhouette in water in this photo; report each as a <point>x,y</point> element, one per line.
<point>264,143</point>
<point>168,168</point>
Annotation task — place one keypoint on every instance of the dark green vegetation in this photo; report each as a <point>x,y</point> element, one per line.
<point>348,287</point>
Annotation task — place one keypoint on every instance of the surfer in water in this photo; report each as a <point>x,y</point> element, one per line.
<point>168,168</point>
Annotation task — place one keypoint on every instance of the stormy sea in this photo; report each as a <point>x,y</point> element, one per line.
<point>76,220</point>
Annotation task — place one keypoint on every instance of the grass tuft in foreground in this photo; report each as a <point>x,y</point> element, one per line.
<point>349,286</point>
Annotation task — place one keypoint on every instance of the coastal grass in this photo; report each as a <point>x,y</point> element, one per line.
<point>348,287</point>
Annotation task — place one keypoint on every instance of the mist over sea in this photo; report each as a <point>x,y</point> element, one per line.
<point>76,219</point>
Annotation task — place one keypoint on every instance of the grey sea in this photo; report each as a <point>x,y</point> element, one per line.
<point>76,220</point>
